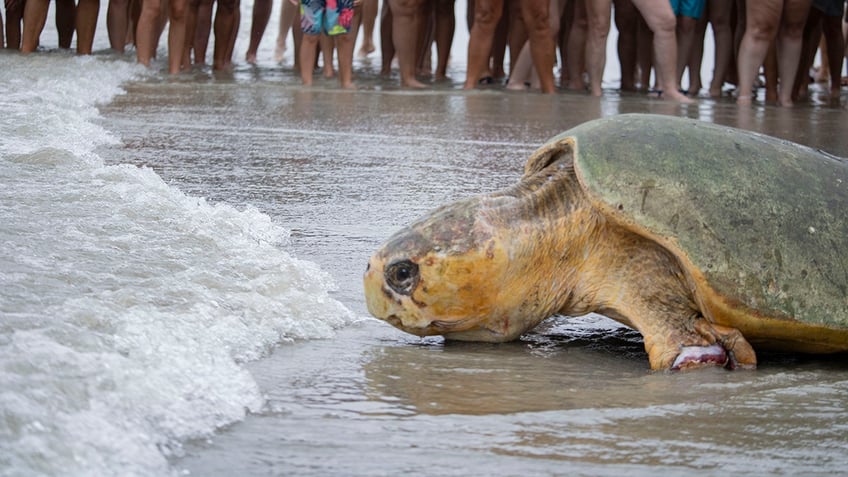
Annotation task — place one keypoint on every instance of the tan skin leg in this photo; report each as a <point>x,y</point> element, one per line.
<point>487,13</point>
<point>203,27</point>
<point>308,50</point>
<point>259,21</point>
<point>575,58</point>
<point>145,34</point>
<point>345,44</point>
<point>117,23</point>
<point>369,19</point>
<point>537,20</point>
<point>177,35</point>
<point>35,16</point>
<point>226,29</point>
<point>406,20</point>
<point>327,46</point>
<point>662,22</point>
<point>598,18</point>
<point>86,23</point>
<point>719,17</point>
<point>287,16</point>
<point>765,21</point>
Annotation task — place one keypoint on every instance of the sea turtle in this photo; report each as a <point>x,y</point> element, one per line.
<point>703,238</point>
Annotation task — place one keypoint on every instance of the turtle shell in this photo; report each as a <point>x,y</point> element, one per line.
<point>760,223</point>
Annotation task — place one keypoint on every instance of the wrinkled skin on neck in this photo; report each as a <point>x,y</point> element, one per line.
<point>490,267</point>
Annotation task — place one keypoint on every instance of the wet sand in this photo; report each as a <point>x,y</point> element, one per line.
<point>342,170</point>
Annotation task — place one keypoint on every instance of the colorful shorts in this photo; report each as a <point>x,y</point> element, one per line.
<point>332,17</point>
<point>689,8</point>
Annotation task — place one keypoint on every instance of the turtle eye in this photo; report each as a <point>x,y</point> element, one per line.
<point>402,276</point>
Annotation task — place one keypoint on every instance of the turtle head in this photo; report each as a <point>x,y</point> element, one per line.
<point>445,275</point>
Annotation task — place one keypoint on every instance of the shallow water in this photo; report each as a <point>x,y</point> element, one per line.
<point>203,313</point>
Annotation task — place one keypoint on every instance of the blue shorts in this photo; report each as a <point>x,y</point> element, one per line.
<point>689,8</point>
<point>332,17</point>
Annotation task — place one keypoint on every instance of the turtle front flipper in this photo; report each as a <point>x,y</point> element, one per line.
<point>651,293</point>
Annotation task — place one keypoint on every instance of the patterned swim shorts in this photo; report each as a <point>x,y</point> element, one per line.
<point>332,17</point>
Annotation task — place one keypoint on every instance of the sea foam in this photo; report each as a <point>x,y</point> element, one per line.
<point>129,308</point>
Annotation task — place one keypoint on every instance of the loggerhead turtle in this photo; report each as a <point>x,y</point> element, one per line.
<point>703,238</point>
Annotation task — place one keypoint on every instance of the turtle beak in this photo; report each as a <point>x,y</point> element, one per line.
<point>375,299</point>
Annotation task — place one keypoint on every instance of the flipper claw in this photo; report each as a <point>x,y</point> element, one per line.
<point>700,356</point>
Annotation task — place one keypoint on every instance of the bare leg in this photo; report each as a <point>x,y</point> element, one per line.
<point>224,27</point>
<point>287,14</point>
<point>719,17</point>
<point>66,22</point>
<point>598,17</point>
<point>537,19</point>
<point>495,63</point>
<point>644,53</point>
<point>308,50</point>
<point>87,11</point>
<point>575,60</point>
<point>145,33</point>
<point>811,41</point>
<point>369,18</point>
<point>832,29</point>
<point>685,37</point>
<point>387,46</point>
<point>789,41</point>
<point>445,26</point>
<point>486,16</point>
<point>516,32</point>
<point>626,21</point>
<point>406,16</point>
<point>259,21</point>
<point>696,56</point>
<point>177,35</point>
<point>35,16</point>
<point>14,17</point>
<point>762,20</point>
<point>345,44</point>
<point>661,20</point>
<point>117,23</point>
<point>202,31</point>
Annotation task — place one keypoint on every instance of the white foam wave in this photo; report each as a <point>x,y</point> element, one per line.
<point>128,306</point>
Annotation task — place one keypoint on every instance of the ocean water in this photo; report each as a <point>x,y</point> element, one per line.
<point>129,308</point>
<point>180,289</point>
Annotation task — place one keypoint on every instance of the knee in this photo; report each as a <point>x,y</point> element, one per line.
<point>665,23</point>
<point>598,26</point>
<point>178,10</point>
<point>485,14</point>
<point>151,8</point>
<point>761,31</point>
<point>537,22</point>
